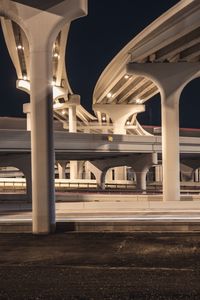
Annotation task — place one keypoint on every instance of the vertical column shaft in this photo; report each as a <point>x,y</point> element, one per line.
<point>196,175</point>
<point>141,180</point>
<point>72,118</point>
<point>42,155</point>
<point>170,147</point>
<point>61,170</point>
<point>118,128</point>
<point>73,128</point>
<point>158,173</point>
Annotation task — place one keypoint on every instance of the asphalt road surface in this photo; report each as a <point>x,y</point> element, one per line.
<point>100,266</point>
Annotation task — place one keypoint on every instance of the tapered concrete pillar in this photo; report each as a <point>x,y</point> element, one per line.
<point>42,24</point>
<point>61,169</point>
<point>73,128</point>
<point>187,173</point>
<point>170,79</point>
<point>41,95</point>
<point>119,115</point>
<point>141,184</point>
<point>141,166</point>
<point>100,174</point>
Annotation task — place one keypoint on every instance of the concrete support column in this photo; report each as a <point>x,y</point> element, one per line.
<point>158,173</point>
<point>141,167</point>
<point>109,175</point>
<point>61,169</point>
<point>72,118</point>
<point>42,24</point>
<point>119,128</point>
<point>196,175</point>
<point>119,113</point>
<point>27,111</point>
<point>87,173</point>
<point>170,79</point>
<point>41,94</point>
<point>141,185</point>
<point>73,169</point>
<point>187,172</point>
<point>170,147</point>
<point>100,174</point>
<point>120,173</point>
<point>73,128</point>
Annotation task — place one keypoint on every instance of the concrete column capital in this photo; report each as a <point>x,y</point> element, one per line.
<point>42,20</point>
<point>169,77</point>
<point>119,113</point>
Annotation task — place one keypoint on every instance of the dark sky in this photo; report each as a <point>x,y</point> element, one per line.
<point>93,42</point>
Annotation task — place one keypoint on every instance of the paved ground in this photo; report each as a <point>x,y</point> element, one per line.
<point>100,266</point>
<point>118,215</point>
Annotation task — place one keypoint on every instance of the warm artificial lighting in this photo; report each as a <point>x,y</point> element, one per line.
<point>56,55</point>
<point>24,77</point>
<point>126,76</point>
<point>63,112</point>
<point>138,101</point>
<point>103,118</point>
<point>20,47</point>
<point>128,123</point>
<point>109,95</point>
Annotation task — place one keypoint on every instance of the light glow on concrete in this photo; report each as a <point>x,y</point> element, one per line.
<point>109,95</point>
<point>20,47</point>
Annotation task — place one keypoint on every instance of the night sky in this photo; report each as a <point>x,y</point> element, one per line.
<point>93,41</point>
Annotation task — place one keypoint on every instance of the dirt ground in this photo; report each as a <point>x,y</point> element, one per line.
<point>100,266</point>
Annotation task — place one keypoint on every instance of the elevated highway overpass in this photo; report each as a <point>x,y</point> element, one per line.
<point>102,152</point>
<point>163,58</point>
<point>93,146</point>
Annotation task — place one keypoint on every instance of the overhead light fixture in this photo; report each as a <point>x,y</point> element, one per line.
<point>104,118</point>
<point>20,47</point>
<point>63,112</point>
<point>109,95</point>
<point>126,76</point>
<point>138,101</point>
<point>128,122</point>
<point>56,55</point>
<point>24,77</point>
